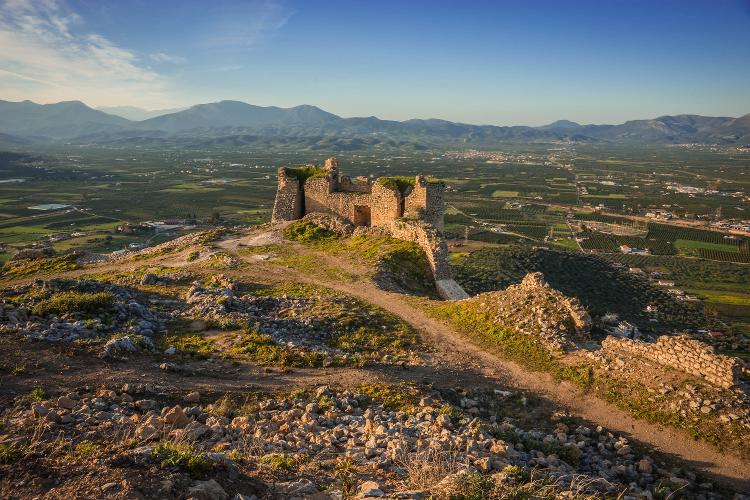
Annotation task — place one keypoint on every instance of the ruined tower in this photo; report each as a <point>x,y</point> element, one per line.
<point>408,209</point>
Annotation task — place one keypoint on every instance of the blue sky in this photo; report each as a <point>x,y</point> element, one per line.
<point>498,62</point>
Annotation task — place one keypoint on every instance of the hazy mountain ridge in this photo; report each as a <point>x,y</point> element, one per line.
<point>135,114</point>
<point>235,123</point>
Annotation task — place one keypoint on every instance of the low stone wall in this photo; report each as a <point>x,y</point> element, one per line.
<point>681,353</point>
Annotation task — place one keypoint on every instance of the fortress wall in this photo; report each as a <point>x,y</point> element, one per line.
<point>435,204</point>
<point>358,185</point>
<point>425,202</point>
<point>319,197</point>
<point>416,201</point>
<point>429,239</point>
<point>371,204</point>
<point>681,353</point>
<point>385,205</point>
<point>288,203</point>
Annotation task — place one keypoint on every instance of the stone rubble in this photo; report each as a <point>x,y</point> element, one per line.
<point>285,319</point>
<point>533,307</point>
<point>127,315</point>
<point>333,425</point>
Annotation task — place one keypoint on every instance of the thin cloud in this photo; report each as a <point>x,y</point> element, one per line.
<point>48,56</point>
<point>162,58</point>
<point>245,25</point>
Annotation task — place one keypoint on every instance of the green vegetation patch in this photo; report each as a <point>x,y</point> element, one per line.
<point>27,267</point>
<point>181,338</point>
<point>304,172</point>
<point>10,453</point>
<point>279,462</point>
<point>71,302</point>
<point>307,232</point>
<point>398,183</point>
<point>479,323</point>
<point>393,397</point>
<point>404,262</point>
<point>263,350</point>
<point>182,457</point>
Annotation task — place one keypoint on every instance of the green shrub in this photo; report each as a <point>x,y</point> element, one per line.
<point>86,449</point>
<point>182,457</point>
<point>302,173</point>
<point>451,411</point>
<point>469,486</point>
<point>9,453</point>
<point>184,340</point>
<point>397,183</point>
<point>36,395</point>
<point>392,398</point>
<point>279,462</point>
<point>307,232</point>
<point>263,350</point>
<point>70,302</point>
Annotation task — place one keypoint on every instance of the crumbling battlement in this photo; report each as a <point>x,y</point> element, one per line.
<point>681,353</point>
<point>361,202</point>
<point>408,210</point>
<point>429,239</point>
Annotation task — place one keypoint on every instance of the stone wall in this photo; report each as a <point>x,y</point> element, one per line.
<point>288,203</point>
<point>433,244</point>
<point>385,205</point>
<point>681,353</point>
<point>358,185</point>
<point>425,202</point>
<point>429,239</point>
<point>320,197</point>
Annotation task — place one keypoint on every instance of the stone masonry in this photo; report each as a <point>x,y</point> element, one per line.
<point>682,353</point>
<point>413,214</point>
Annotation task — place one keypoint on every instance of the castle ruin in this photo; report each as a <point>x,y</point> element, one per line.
<point>408,209</point>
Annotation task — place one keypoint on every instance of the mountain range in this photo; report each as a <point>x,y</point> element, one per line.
<point>238,124</point>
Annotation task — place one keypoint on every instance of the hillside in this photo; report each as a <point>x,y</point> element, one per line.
<point>55,121</point>
<point>269,362</point>
<point>238,124</point>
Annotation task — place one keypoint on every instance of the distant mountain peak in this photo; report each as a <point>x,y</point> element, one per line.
<point>561,125</point>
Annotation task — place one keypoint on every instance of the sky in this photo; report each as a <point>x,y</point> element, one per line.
<point>485,62</point>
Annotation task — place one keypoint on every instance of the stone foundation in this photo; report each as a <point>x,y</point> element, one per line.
<point>681,353</point>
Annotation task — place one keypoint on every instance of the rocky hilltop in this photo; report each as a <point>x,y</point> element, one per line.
<point>537,309</point>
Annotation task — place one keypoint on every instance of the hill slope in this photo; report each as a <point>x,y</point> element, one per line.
<point>63,119</point>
